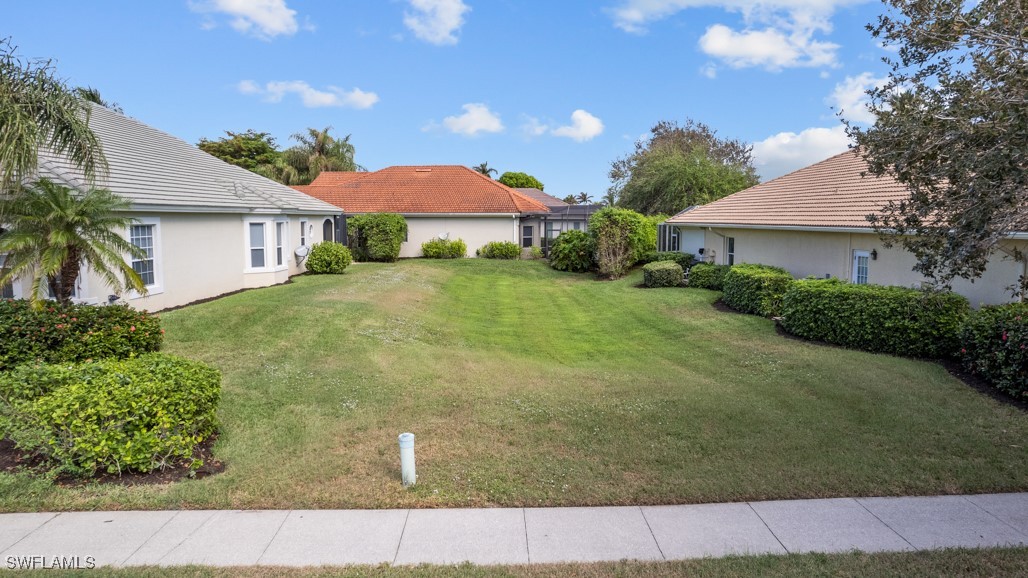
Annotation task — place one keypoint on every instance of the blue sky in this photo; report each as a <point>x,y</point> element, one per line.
<point>557,89</point>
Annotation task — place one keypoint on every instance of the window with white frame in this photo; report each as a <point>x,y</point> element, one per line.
<point>280,234</point>
<point>257,253</point>
<point>527,235</point>
<point>578,225</point>
<point>303,233</point>
<point>673,239</point>
<point>142,236</point>
<point>729,250</point>
<point>861,264</point>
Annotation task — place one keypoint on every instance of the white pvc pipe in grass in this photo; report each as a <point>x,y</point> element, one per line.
<point>407,460</point>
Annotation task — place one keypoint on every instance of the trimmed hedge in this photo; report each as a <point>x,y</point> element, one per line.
<point>135,414</point>
<point>328,257</point>
<point>708,276</point>
<point>376,236</point>
<point>756,289</point>
<point>500,250</point>
<point>684,260</point>
<point>892,320</point>
<point>573,251</point>
<point>662,274</point>
<point>994,345</point>
<point>444,249</point>
<point>61,334</point>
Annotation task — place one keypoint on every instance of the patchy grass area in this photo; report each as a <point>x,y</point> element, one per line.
<point>955,562</point>
<point>528,387</point>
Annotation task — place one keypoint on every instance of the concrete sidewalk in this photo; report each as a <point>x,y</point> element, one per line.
<point>515,535</point>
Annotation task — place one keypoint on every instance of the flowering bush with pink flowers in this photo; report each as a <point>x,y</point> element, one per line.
<point>59,334</point>
<point>994,345</point>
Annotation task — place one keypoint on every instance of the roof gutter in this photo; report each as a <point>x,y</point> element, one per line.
<point>865,230</point>
<point>140,208</point>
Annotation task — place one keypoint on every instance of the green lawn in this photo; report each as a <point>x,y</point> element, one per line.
<point>529,387</point>
<point>954,562</point>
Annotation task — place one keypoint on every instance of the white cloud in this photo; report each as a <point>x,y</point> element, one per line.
<point>850,97</point>
<point>787,151</point>
<point>477,118</point>
<point>533,127</point>
<point>709,70</point>
<point>583,127</point>
<point>264,19</point>
<point>770,48</point>
<point>311,97</point>
<point>777,33</point>
<point>436,21</point>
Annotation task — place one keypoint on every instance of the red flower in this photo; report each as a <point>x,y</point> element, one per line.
<point>133,328</point>
<point>1004,336</point>
<point>962,350</point>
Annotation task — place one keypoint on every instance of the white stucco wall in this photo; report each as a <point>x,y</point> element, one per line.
<point>805,253</point>
<point>205,255</point>
<point>476,231</point>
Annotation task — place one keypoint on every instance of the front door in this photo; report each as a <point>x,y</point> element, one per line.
<point>861,263</point>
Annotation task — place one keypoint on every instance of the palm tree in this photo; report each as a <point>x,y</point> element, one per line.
<point>570,199</point>
<point>51,232</point>
<point>485,169</point>
<point>37,110</point>
<point>584,198</point>
<point>90,94</point>
<point>319,151</point>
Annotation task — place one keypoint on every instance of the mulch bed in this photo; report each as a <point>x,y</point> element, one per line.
<point>12,460</point>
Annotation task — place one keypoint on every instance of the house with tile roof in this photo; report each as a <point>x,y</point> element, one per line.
<point>813,222</point>
<point>438,201</point>
<point>208,227</point>
<point>541,230</point>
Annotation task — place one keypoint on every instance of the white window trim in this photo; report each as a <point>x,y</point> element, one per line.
<point>729,256</point>
<point>270,256</point>
<point>303,233</point>
<point>158,259</point>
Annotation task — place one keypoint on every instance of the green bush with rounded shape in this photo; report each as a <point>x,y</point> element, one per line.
<point>573,251</point>
<point>684,260</point>
<point>444,249</point>
<point>500,250</point>
<point>708,276</point>
<point>114,416</point>
<point>376,236</point>
<point>328,257</point>
<point>756,289</point>
<point>894,320</point>
<point>622,238</point>
<point>72,333</point>
<point>662,274</point>
<point>994,345</point>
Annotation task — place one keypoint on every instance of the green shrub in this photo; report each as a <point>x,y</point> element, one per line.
<point>892,320</point>
<point>573,251</point>
<point>622,238</point>
<point>756,289</point>
<point>684,260</point>
<point>376,236</point>
<point>444,249</point>
<point>328,257</point>
<point>136,414</point>
<point>708,276</point>
<point>71,333</point>
<point>535,252</point>
<point>500,250</point>
<point>662,274</point>
<point>994,345</point>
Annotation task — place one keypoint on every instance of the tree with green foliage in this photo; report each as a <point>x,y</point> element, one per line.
<point>583,198</point>
<point>376,236</point>
<point>680,166</point>
<point>251,149</point>
<point>90,94</point>
<point>570,199</point>
<point>52,230</point>
<point>485,169</point>
<point>38,111</point>
<point>952,125</point>
<point>520,181</point>
<point>317,151</point>
<point>622,237</point>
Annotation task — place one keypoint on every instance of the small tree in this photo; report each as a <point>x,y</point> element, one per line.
<point>250,149</point>
<point>485,169</point>
<point>52,231</point>
<point>622,237</point>
<point>376,236</point>
<point>520,181</point>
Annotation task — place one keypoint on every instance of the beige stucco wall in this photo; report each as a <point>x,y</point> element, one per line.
<point>819,254</point>
<point>475,231</point>
<point>201,256</point>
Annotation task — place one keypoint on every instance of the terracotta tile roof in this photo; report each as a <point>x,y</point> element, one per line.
<point>831,193</point>
<point>420,189</point>
<point>548,200</point>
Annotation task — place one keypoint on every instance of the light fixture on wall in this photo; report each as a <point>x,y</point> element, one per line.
<point>874,254</point>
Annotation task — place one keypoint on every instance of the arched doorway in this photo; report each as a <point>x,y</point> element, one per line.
<point>327,230</point>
